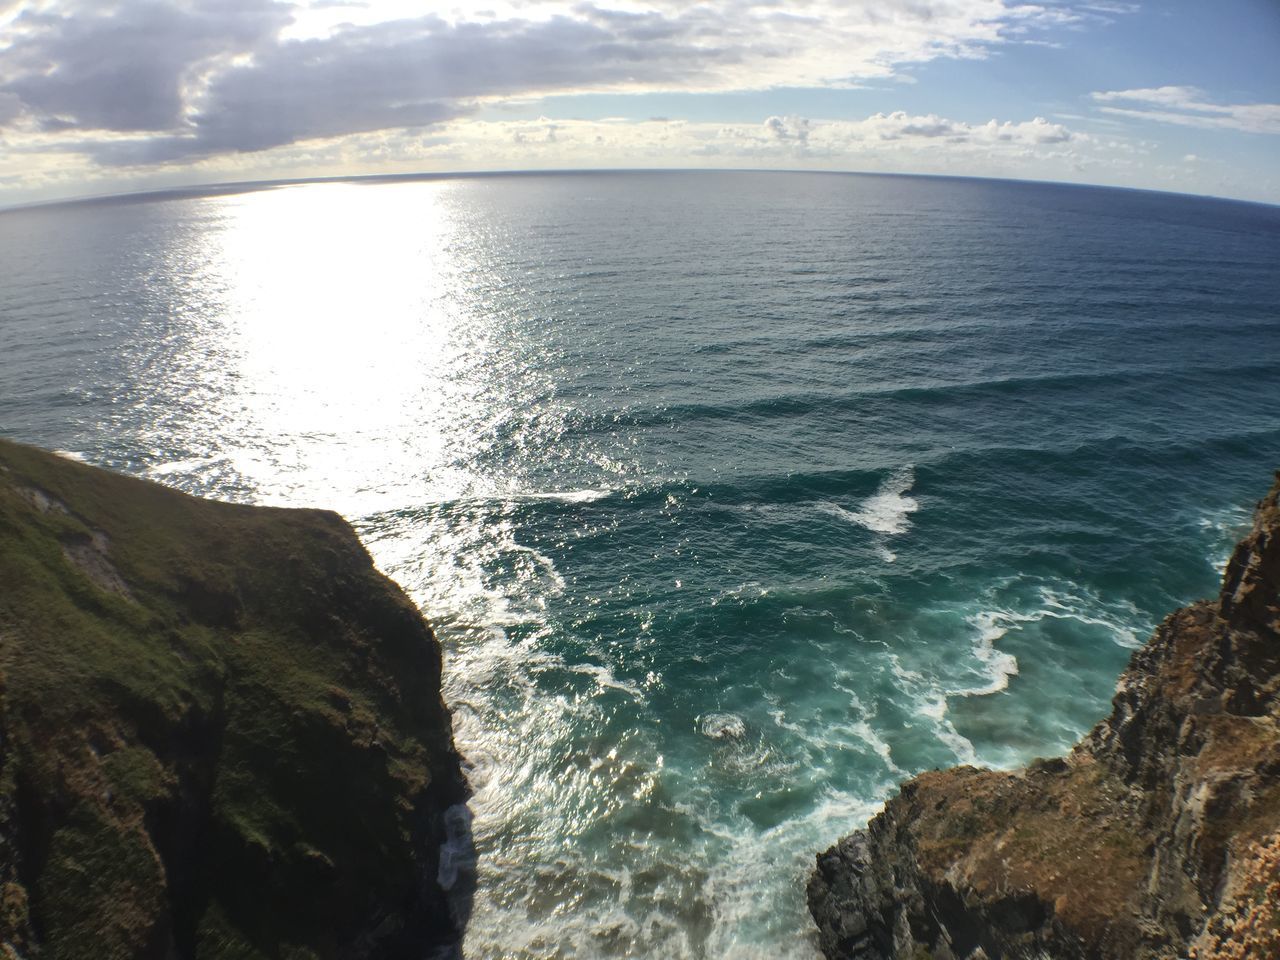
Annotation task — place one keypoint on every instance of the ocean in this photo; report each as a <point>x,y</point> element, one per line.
<point>735,498</point>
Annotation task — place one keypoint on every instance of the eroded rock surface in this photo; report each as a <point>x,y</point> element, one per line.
<point>1157,837</point>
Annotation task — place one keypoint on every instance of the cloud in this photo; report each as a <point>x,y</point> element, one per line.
<point>126,66</point>
<point>787,128</point>
<point>205,77</point>
<point>900,125</point>
<point>899,140</point>
<point>1188,107</point>
<point>10,108</point>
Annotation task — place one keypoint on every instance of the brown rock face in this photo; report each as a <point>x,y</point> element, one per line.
<point>1157,837</point>
<point>1249,588</point>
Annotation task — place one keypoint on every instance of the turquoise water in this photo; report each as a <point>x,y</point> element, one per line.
<point>735,498</point>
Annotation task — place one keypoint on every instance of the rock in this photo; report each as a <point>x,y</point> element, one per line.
<point>1157,837</point>
<point>221,732</point>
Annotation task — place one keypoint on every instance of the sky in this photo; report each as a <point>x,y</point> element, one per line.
<point>115,96</point>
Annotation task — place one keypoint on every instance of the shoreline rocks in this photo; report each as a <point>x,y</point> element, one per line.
<point>1158,836</point>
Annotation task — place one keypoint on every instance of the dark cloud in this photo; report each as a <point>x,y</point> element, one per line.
<point>929,127</point>
<point>415,72</point>
<point>125,66</point>
<point>10,108</point>
<point>157,68</point>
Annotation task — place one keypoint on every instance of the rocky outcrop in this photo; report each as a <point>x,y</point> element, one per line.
<point>222,732</point>
<point>1157,837</point>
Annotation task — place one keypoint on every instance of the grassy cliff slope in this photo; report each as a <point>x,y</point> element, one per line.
<point>222,730</point>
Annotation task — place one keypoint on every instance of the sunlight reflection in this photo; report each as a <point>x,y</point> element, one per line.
<point>344,330</point>
<point>350,363</point>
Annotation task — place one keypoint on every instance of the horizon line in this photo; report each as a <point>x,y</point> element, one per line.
<point>233,187</point>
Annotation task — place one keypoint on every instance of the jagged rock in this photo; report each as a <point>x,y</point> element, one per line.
<point>222,731</point>
<point>1157,837</point>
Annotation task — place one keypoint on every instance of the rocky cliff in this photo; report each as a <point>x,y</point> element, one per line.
<point>1157,837</point>
<point>222,735</point>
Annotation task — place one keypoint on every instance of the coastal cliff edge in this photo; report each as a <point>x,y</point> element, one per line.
<point>221,732</point>
<point>1158,836</point>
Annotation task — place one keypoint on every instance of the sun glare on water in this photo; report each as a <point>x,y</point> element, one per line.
<point>341,326</point>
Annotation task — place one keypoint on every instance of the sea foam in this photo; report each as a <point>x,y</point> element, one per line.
<point>888,510</point>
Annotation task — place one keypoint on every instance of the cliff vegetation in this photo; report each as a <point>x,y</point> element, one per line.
<point>222,731</point>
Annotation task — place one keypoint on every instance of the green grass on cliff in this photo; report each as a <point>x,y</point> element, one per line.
<point>222,729</point>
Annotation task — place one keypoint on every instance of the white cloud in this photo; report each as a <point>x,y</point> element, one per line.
<point>205,77</point>
<point>897,141</point>
<point>891,142</point>
<point>899,125</point>
<point>1188,107</point>
<point>787,128</point>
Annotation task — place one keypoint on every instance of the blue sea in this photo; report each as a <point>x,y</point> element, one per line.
<point>735,498</point>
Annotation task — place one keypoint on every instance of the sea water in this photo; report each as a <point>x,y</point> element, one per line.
<point>735,498</point>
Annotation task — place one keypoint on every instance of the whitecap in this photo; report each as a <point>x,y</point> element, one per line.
<point>188,466</point>
<point>1123,621</point>
<point>751,590</point>
<point>725,727</point>
<point>544,563</point>
<point>779,716</point>
<point>1226,527</point>
<point>604,677</point>
<point>589,495</point>
<point>931,702</point>
<point>998,665</point>
<point>863,731</point>
<point>886,511</point>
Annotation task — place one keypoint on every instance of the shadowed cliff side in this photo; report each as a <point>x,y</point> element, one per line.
<point>223,734</point>
<point>1157,837</point>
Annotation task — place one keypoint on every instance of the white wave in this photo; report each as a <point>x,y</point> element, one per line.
<point>931,702</point>
<point>886,511</point>
<point>72,455</point>
<point>998,665</point>
<point>1123,620</point>
<point>1226,527</point>
<point>863,731</point>
<point>545,564</point>
<point>187,466</point>
<point>751,590</point>
<point>740,929</point>
<point>936,709</point>
<point>722,726</point>
<point>605,678</point>
<point>564,496</point>
<point>779,716</point>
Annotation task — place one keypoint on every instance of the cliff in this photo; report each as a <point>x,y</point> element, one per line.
<point>1157,837</point>
<point>222,735</point>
